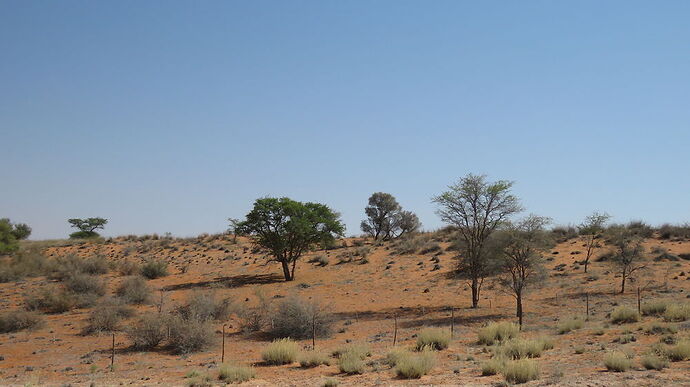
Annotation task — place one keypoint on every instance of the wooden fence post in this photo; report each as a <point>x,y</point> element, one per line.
<point>395,330</point>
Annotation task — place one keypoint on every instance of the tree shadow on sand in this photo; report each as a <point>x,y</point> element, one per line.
<point>230,282</point>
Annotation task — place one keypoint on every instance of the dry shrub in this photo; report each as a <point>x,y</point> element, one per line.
<point>498,332</point>
<point>414,366</point>
<point>679,352</point>
<point>433,338</point>
<point>18,320</point>
<point>51,300</point>
<point>281,351</point>
<point>654,362</point>
<point>351,364</point>
<point>395,355</point>
<point>134,290</point>
<point>493,366</point>
<point>361,351</point>
<point>205,306</point>
<point>521,371</point>
<point>654,308</point>
<point>617,361</point>
<point>313,359</point>
<point>128,267</point>
<point>187,336</point>
<point>153,269</point>
<point>677,312</point>
<point>233,373</point>
<point>570,325</point>
<point>523,348</point>
<point>106,317</point>
<point>298,319</point>
<point>624,314</point>
<point>85,283</point>
<point>149,331</point>
<point>25,263</point>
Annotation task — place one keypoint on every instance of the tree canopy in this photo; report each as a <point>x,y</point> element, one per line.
<point>11,234</point>
<point>87,227</point>
<point>386,218</point>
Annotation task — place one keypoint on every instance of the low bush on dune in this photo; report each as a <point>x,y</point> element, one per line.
<point>520,371</point>
<point>205,306</point>
<point>148,332</point>
<point>134,290</point>
<point>498,332</point>
<point>617,361</point>
<point>85,283</point>
<point>51,300</point>
<point>414,366</point>
<point>624,314</point>
<point>153,269</point>
<point>187,336</point>
<point>128,267</point>
<point>25,263</point>
<point>106,317</point>
<point>282,351</point>
<point>298,319</point>
<point>433,338</point>
<point>233,373</point>
<point>19,320</point>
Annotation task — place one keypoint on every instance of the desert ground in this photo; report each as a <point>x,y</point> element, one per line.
<point>365,286</point>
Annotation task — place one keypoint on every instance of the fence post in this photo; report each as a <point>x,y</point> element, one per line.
<point>112,356</point>
<point>452,321</point>
<point>639,305</point>
<point>222,353</point>
<point>313,332</point>
<point>395,330</point>
<point>587,301</point>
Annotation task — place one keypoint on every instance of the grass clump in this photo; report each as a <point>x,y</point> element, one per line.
<point>360,350</point>
<point>296,318</point>
<point>282,351</point>
<point>395,355</point>
<point>19,320</point>
<point>313,359</point>
<point>654,362</point>
<point>232,373</point>
<point>656,328</point>
<point>524,348</point>
<point>154,269</point>
<point>414,366</point>
<point>679,352</point>
<point>331,383</point>
<point>570,325</point>
<point>433,338</point>
<point>134,290</point>
<point>148,332</point>
<point>498,332</point>
<point>624,314</point>
<point>617,361</point>
<point>654,308</point>
<point>677,312</point>
<point>351,364</point>
<point>521,371</point>
<point>493,366</point>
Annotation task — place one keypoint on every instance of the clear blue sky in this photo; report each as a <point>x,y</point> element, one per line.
<point>168,116</point>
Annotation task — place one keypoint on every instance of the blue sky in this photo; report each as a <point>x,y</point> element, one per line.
<point>170,116</point>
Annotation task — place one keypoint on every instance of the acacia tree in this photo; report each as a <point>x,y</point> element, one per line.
<point>519,250</point>
<point>592,228</point>
<point>476,207</point>
<point>234,223</point>
<point>87,227</point>
<point>287,228</point>
<point>628,255</point>
<point>386,219</point>
<point>11,234</point>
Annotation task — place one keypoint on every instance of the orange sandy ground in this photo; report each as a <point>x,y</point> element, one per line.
<point>364,298</point>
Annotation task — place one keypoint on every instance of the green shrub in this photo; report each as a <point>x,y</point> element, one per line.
<point>205,306</point>
<point>351,363</point>
<point>624,314</point>
<point>433,338</point>
<point>85,283</point>
<point>231,373</point>
<point>654,308</point>
<point>281,351</point>
<point>415,366</point>
<point>521,371</point>
<point>51,300</point>
<point>493,366</point>
<point>523,348</point>
<point>677,312</point>
<point>313,359</point>
<point>298,319</point>
<point>570,324</point>
<point>148,332</point>
<point>18,320</point>
<point>134,290</point>
<point>679,352</point>
<point>154,269</point>
<point>187,336</point>
<point>617,361</point>
<point>498,332</point>
<point>654,362</point>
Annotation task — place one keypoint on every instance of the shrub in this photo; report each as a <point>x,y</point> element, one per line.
<point>231,373</point>
<point>523,348</point>
<point>187,336</point>
<point>521,371</point>
<point>205,306</point>
<point>570,324</point>
<point>350,363</point>
<point>395,355</point>
<point>127,268</point>
<point>24,263</point>
<point>94,265</point>
<point>154,269</point>
<point>85,283</point>
<point>415,366</point>
<point>656,328</point>
<point>313,359</point>
<point>654,362</point>
<point>296,318</point>
<point>654,308</point>
<point>282,351</point>
<point>677,312</point>
<point>497,332</point>
<point>331,383</point>
<point>52,300</point>
<point>19,320</point>
<point>493,366</point>
<point>624,314</point>
<point>106,317</point>
<point>148,332</point>
<point>134,290</point>
<point>617,362</point>
<point>361,351</point>
<point>433,338</point>
<point>679,352</point>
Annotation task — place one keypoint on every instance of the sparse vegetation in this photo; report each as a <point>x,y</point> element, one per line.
<point>148,332</point>
<point>134,290</point>
<point>677,312</point>
<point>679,352</point>
<point>188,336</point>
<point>350,363</point>
<point>153,269</point>
<point>51,300</point>
<point>204,306</point>
<point>493,366</point>
<point>498,332</point>
<point>624,314</point>
<point>232,373</point>
<point>617,361</point>
<point>433,338</point>
<point>414,366</point>
<point>298,319</point>
<point>654,308</point>
<point>313,359</point>
<point>521,371</point>
<point>570,324</point>
<point>281,351</point>
<point>654,362</point>
<point>18,320</point>
<point>106,317</point>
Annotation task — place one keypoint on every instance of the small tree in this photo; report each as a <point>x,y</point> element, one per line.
<point>592,229</point>
<point>234,224</point>
<point>477,208</point>
<point>87,227</point>
<point>628,255</point>
<point>520,249</point>
<point>288,228</point>
<point>11,234</point>
<point>386,219</point>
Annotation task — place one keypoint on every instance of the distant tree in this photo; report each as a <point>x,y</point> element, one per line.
<point>592,229</point>
<point>386,219</point>
<point>520,248</point>
<point>477,208</point>
<point>288,228</point>
<point>628,255</point>
<point>232,229</point>
<point>11,234</point>
<point>87,227</point>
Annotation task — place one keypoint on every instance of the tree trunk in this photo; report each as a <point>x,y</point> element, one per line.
<point>286,271</point>
<point>518,302</point>
<point>623,284</point>
<point>475,293</point>
<point>586,264</point>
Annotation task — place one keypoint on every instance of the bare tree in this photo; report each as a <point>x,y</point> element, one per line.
<point>477,208</point>
<point>628,256</point>
<point>592,229</point>
<point>386,219</point>
<point>520,249</point>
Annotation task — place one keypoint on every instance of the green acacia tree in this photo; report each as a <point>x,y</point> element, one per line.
<point>87,227</point>
<point>288,228</point>
<point>11,234</point>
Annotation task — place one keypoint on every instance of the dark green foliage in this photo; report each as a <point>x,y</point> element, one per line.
<point>87,227</point>
<point>287,229</point>
<point>11,234</point>
<point>386,219</point>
